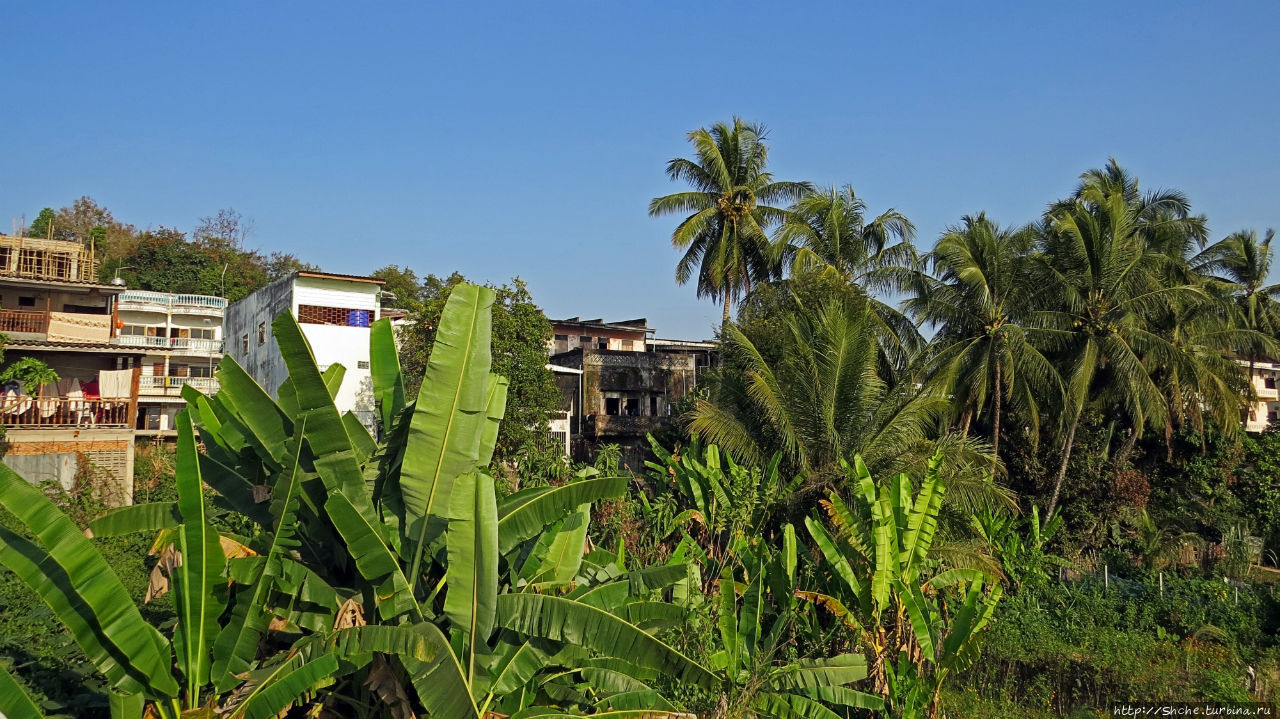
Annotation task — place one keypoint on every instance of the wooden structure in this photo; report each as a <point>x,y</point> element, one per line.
<point>51,260</point>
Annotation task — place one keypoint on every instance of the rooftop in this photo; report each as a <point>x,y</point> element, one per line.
<point>640,324</point>
<point>34,258</point>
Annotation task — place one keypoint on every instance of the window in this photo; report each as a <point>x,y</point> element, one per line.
<point>262,333</point>
<point>177,370</point>
<point>26,302</point>
<point>202,333</point>
<point>133,331</point>
<point>362,364</point>
<point>611,405</point>
<point>340,316</point>
<point>628,345</point>
<point>602,343</point>
<point>199,370</point>
<point>562,338</point>
<point>584,340</point>
<point>1269,382</point>
<point>633,407</point>
<point>244,344</point>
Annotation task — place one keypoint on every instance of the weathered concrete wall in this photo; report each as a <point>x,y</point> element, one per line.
<point>40,455</point>
<point>262,360</point>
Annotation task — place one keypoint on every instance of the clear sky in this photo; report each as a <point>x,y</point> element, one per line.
<point>527,138</point>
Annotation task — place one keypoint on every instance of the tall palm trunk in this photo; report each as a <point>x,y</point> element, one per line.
<point>724,322</point>
<point>1062,470</point>
<point>995,421</point>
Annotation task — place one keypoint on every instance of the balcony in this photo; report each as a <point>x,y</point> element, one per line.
<point>186,345</point>
<point>144,301</point>
<point>52,412</point>
<point>609,425</point>
<point>1265,392</point>
<point>161,386</point>
<point>70,327</point>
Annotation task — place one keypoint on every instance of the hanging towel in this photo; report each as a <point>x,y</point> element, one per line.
<point>115,384</point>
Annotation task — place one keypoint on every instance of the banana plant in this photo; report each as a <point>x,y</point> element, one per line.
<point>60,564</point>
<point>757,613</point>
<point>395,557</point>
<point>728,500</point>
<point>885,589</point>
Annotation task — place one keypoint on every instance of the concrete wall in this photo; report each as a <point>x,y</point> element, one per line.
<point>261,360</point>
<point>53,455</point>
<point>616,338</point>
<point>330,344</point>
<point>56,300</point>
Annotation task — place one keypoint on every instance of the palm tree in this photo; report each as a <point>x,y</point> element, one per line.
<point>826,398</point>
<point>1238,267</point>
<point>978,302</point>
<point>1101,287</point>
<point>827,232</point>
<point>724,235</point>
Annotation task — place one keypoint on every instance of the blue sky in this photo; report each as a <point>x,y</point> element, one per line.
<point>527,138</point>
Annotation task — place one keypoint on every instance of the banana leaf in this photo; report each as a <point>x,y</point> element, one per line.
<point>198,587</point>
<point>384,371</point>
<point>565,620</point>
<point>254,408</point>
<point>14,702</point>
<point>445,431</point>
<point>495,410</point>
<point>283,688</point>
<point>472,573</point>
<point>120,521</point>
<point>83,592</point>
<point>524,514</point>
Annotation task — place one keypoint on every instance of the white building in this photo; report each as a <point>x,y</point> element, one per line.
<point>1267,407</point>
<point>335,312</point>
<point>182,336</point>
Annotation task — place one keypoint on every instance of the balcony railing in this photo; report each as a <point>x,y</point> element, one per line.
<point>24,321</point>
<point>191,344</point>
<point>58,326</point>
<point>163,301</point>
<point>64,412</point>
<point>606,425</point>
<point>152,385</point>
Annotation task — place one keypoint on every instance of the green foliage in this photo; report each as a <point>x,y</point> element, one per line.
<point>520,333</point>
<point>30,372</point>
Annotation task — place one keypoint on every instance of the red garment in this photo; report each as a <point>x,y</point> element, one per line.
<point>90,389</point>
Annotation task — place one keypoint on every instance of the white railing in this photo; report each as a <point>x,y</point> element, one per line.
<point>170,343</point>
<point>170,301</point>
<point>148,384</point>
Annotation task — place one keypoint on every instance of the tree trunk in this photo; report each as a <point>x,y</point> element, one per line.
<point>1125,449</point>
<point>965,417</point>
<point>1062,470</point>
<point>995,421</point>
<point>724,322</point>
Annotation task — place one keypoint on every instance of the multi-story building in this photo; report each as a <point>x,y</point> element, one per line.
<point>619,384</point>
<point>1264,411</point>
<point>80,427</point>
<point>182,337</point>
<point>335,312</point>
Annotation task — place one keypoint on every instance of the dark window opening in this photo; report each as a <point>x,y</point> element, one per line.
<point>584,340</point>
<point>603,343</point>
<point>1269,382</point>
<point>562,338</point>
<point>244,342</point>
<point>633,406</point>
<point>611,405</point>
<point>26,302</point>
<point>262,333</point>
<point>653,406</point>
<point>362,364</point>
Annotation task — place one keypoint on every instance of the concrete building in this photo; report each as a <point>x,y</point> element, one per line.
<point>182,337</point>
<point>619,384</point>
<point>80,428</point>
<point>335,312</point>
<point>1266,409</point>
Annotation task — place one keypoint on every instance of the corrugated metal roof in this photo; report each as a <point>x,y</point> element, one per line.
<point>76,347</point>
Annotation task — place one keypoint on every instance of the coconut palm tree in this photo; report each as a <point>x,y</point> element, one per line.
<point>826,397</point>
<point>1238,267</point>
<point>827,232</point>
<point>978,303</point>
<point>724,234</point>
<point>1101,289</point>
